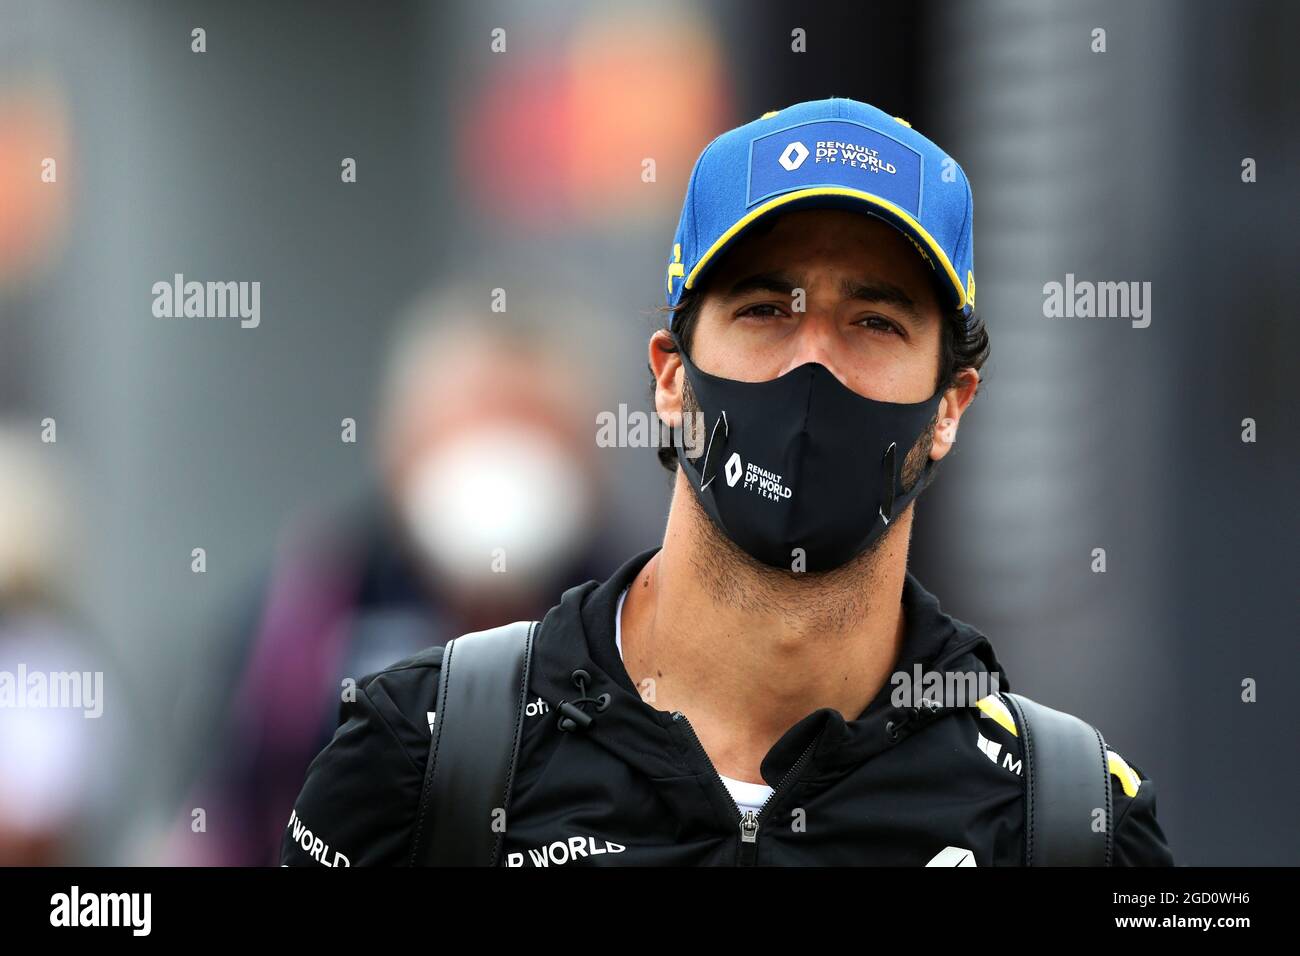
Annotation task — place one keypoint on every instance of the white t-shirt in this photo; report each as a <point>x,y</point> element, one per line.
<point>748,796</point>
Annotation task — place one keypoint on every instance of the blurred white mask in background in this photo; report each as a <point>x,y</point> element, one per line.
<point>499,508</point>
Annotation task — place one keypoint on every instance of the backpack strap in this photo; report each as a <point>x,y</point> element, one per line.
<point>1066,781</point>
<point>476,730</point>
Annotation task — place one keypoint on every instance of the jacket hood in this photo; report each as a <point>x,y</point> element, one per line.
<point>578,634</point>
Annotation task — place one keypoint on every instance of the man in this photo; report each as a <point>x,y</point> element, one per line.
<point>750,684</point>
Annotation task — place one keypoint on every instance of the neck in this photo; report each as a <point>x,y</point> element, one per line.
<point>745,650</point>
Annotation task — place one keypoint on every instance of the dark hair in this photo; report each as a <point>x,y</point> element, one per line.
<point>964,344</point>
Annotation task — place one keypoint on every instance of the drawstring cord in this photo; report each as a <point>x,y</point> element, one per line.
<point>927,710</point>
<point>572,715</point>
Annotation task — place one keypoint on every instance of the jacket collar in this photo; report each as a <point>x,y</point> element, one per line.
<point>578,633</point>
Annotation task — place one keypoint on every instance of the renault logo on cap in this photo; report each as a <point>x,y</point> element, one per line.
<point>793,156</point>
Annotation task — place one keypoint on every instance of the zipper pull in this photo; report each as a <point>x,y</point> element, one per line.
<point>748,838</point>
<point>749,827</point>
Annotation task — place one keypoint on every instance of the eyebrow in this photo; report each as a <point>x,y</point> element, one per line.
<point>885,293</point>
<point>866,290</point>
<point>764,282</point>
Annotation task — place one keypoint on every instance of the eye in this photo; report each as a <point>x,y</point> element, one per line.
<point>880,325</point>
<point>757,311</point>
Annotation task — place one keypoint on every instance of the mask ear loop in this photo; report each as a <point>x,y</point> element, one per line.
<point>710,458</point>
<point>891,497</point>
<point>887,509</point>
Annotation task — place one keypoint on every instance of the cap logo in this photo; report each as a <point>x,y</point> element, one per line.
<point>836,153</point>
<point>793,156</point>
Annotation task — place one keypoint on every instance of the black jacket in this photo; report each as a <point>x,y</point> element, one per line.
<point>895,787</point>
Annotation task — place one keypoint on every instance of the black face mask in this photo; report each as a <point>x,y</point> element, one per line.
<point>802,462</point>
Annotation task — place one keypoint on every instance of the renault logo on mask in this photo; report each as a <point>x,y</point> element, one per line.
<point>733,469</point>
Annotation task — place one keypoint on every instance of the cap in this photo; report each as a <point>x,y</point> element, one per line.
<point>835,153</point>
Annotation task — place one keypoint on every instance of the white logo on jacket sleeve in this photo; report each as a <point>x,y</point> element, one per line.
<point>953,856</point>
<point>565,851</point>
<point>993,750</point>
<point>989,748</point>
<point>312,845</point>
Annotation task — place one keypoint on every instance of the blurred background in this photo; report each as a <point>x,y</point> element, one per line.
<point>317,460</point>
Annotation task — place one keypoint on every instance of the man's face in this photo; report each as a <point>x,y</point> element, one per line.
<point>869,312</point>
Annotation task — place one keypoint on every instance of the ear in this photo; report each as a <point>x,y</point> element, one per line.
<point>954,403</point>
<point>666,367</point>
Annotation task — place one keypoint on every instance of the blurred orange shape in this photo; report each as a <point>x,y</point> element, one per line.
<point>33,212</point>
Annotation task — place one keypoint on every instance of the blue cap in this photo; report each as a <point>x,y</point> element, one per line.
<point>836,153</point>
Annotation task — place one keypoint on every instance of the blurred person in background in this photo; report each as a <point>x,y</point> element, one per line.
<point>488,498</point>
<point>63,710</point>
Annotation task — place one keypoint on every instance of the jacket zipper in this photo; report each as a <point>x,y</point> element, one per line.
<point>749,821</point>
